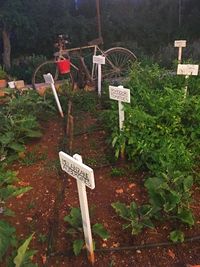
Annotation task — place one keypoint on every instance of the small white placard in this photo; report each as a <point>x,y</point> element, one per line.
<point>180,43</point>
<point>119,94</point>
<point>77,169</point>
<point>99,59</point>
<point>48,78</point>
<point>187,69</point>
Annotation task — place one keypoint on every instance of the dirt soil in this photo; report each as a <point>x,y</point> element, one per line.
<point>53,194</point>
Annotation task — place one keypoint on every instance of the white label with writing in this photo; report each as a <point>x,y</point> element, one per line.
<point>48,78</point>
<point>187,69</point>
<point>77,169</point>
<point>180,43</point>
<point>99,59</point>
<point>119,94</point>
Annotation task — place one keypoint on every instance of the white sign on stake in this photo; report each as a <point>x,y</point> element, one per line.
<point>77,169</point>
<point>99,60</point>
<point>85,177</point>
<point>188,69</point>
<point>120,94</point>
<point>49,79</point>
<point>180,44</point>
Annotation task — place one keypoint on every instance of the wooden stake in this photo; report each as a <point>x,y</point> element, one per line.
<point>71,132</point>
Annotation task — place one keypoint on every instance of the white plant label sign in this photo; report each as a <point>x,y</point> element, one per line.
<point>99,60</point>
<point>180,43</point>
<point>85,177</point>
<point>48,78</point>
<point>188,69</point>
<point>77,169</point>
<point>119,94</point>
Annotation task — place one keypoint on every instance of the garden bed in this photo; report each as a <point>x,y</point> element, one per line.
<point>42,211</point>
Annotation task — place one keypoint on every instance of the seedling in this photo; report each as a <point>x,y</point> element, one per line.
<point>116,172</point>
<point>137,217</point>
<point>42,238</point>
<point>75,229</point>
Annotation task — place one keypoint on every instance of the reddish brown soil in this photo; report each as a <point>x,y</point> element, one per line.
<point>43,208</point>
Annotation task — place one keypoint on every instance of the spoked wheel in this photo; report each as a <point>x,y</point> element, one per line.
<point>49,67</point>
<point>118,63</point>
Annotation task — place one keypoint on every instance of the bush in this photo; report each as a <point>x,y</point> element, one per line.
<point>23,67</point>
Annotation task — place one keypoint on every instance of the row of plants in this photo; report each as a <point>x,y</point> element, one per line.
<point>13,250</point>
<point>20,117</point>
<point>21,114</point>
<point>160,135</point>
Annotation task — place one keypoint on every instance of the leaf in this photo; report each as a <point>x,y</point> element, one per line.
<point>7,237</point>
<point>177,236</point>
<point>21,252</point>
<point>171,199</point>
<point>33,133</point>
<point>77,246</point>
<point>186,216</point>
<point>22,190</point>
<point>9,212</point>
<point>100,230</point>
<point>17,147</point>
<point>74,218</point>
<point>133,210</point>
<point>71,231</point>
<point>121,209</point>
<point>187,183</point>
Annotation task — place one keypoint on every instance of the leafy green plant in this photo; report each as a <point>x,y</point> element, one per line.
<point>20,122</point>
<point>160,135</point>
<point>74,220</point>
<point>115,172</point>
<point>33,157</point>
<point>3,74</point>
<point>23,255</point>
<point>8,238</point>
<point>137,217</point>
<point>42,238</point>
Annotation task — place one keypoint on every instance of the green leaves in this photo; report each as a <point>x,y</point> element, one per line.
<point>137,217</point>
<point>74,218</point>
<point>22,254</point>
<point>100,231</point>
<point>186,216</point>
<point>77,246</point>
<point>176,236</point>
<point>161,134</point>
<point>76,231</point>
<point>7,237</point>
<point>121,209</point>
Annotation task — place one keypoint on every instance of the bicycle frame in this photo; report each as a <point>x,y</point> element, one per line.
<point>96,48</point>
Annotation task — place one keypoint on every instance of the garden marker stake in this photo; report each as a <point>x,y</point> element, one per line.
<point>49,79</point>
<point>85,177</point>
<point>120,94</point>
<point>187,70</point>
<point>99,60</point>
<point>180,44</point>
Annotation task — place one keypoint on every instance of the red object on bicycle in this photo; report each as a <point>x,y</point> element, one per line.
<point>63,66</point>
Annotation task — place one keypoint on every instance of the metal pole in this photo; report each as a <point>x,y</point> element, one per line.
<point>179,12</point>
<point>98,18</point>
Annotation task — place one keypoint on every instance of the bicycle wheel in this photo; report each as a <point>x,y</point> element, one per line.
<point>118,63</point>
<point>49,66</point>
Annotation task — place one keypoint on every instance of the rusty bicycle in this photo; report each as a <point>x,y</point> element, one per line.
<point>82,71</point>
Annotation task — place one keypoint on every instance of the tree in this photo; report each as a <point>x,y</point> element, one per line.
<point>12,16</point>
